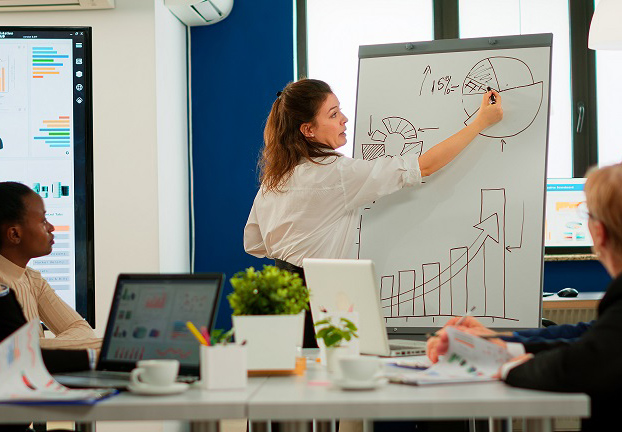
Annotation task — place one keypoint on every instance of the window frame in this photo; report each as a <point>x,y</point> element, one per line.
<point>582,76</point>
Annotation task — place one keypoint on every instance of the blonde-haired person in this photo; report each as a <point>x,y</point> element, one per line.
<point>589,363</point>
<point>308,202</point>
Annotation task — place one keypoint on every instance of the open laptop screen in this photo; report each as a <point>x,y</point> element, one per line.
<point>566,217</point>
<point>148,319</point>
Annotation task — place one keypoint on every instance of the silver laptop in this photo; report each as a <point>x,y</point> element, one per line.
<point>341,285</point>
<point>147,320</point>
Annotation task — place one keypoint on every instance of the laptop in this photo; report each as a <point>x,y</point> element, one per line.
<point>147,320</point>
<point>340,285</point>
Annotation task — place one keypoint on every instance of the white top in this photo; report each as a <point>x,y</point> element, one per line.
<point>317,213</point>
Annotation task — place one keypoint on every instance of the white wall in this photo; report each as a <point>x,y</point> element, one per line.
<point>140,146</point>
<point>172,130</point>
<point>139,141</point>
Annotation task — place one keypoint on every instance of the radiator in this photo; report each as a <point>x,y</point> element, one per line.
<point>569,316</point>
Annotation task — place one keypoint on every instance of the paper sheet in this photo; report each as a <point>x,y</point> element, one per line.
<point>24,377</point>
<point>468,359</point>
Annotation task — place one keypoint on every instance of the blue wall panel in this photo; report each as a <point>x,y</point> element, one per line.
<point>587,276</point>
<point>237,66</point>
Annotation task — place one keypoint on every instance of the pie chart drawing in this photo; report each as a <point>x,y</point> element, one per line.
<point>397,138</point>
<point>512,79</point>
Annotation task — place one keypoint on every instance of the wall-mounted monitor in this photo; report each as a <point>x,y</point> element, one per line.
<point>566,228</point>
<point>46,142</point>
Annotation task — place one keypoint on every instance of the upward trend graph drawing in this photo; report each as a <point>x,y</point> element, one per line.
<point>452,284</point>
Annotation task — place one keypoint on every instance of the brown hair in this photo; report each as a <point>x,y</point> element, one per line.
<point>284,143</point>
<point>603,190</point>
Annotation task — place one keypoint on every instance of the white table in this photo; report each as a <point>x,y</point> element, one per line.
<point>294,401</point>
<point>194,405</point>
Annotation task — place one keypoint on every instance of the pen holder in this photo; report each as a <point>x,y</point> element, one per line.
<point>223,367</point>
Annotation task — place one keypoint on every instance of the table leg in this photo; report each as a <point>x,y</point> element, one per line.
<point>324,426</point>
<point>538,425</point>
<point>205,426</point>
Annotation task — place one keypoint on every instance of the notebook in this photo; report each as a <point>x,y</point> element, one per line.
<point>147,320</point>
<point>341,285</point>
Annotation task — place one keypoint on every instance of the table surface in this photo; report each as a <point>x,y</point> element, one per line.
<point>312,396</point>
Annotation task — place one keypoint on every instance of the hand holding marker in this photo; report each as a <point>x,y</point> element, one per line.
<point>492,96</point>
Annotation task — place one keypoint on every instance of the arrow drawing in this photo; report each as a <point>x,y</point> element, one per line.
<point>522,226</point>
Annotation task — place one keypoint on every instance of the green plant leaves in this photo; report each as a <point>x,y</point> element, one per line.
<point>271,291</point>
<point>334,334</point>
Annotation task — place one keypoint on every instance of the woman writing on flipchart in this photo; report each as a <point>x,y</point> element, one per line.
<point>307,205</point>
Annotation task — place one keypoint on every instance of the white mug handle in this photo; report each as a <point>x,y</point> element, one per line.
<point>135,377</point>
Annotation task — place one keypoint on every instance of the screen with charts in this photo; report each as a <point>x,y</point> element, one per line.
<point>148,319</point>
<point>566,215</point>
<point>46,143</point>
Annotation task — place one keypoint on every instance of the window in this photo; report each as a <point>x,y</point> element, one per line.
<point>608,93</point>
<point>335,29</point>
<point>583,82</point>
<point>512,17</point>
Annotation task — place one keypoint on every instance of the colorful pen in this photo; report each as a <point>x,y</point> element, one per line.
<point>197,334</point>
<point>205,335</point>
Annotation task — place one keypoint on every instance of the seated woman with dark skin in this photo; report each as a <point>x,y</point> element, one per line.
<point>587,358</point>
<point>25,233</point>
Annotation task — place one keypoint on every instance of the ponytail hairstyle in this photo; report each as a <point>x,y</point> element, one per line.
<point>284,144</point>
<point>12,206</point>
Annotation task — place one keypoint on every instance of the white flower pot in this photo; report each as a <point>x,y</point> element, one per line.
<point>272,341</point>
<point>333,354</point>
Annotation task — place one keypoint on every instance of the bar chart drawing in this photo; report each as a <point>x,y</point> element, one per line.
<point>451,285</point>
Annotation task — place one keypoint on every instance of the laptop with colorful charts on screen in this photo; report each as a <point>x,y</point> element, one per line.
<point>147,320</point>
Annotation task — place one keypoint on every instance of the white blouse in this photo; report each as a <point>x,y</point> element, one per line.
<point>316,214</point>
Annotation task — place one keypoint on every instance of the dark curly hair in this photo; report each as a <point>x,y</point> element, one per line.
<point>12,207</point>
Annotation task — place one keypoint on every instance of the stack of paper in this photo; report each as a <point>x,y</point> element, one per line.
<point>24,378</point>
<point>468,359</point>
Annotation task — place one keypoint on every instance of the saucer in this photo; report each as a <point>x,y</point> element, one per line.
<point>360,385</point>
<point>155,390</point>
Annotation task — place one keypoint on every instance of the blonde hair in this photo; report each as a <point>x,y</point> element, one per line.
<point>603,190</point>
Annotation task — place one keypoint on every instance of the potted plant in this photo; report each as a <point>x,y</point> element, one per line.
<point>268,313</point>
<point>334,336</point>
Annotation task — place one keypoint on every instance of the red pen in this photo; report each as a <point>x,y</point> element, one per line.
<point>205,334</point>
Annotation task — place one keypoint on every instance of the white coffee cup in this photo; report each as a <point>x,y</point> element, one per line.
<point>155,373</point>
<point>360,368</point>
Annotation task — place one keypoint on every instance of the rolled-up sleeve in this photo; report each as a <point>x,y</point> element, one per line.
<point>365,181</point>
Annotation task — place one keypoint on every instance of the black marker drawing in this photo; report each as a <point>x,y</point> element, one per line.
<point>397,138</point>
<point>513,80</point>
<point>432,289</point>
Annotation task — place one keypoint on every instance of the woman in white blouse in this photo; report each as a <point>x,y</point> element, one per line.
<point>308,202</point>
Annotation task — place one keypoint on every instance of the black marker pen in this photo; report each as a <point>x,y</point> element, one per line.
<point>492,96</point>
